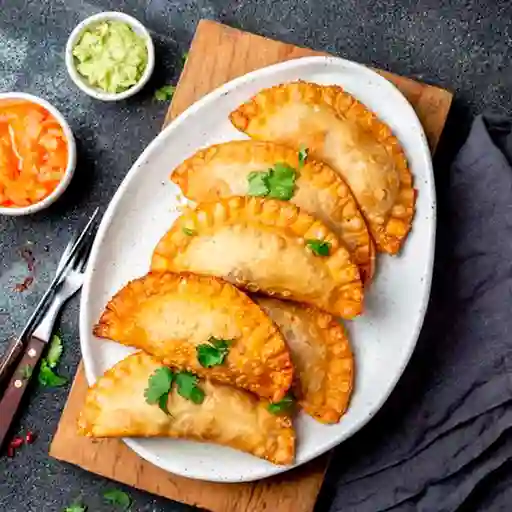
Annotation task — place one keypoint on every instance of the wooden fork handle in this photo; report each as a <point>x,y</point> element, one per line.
<point>13,394</point>
<point>9,359</point>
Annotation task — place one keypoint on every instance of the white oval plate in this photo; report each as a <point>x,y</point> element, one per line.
<point>145,206</point>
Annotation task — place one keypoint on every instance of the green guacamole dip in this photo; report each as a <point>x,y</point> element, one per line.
<point>111,56</point>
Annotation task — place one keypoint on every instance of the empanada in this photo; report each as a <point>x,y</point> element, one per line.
<point>264,245</point>
<point>115,406</point>
<point>343,133</point>
<point>223,170</point>
<point>169,315</point>
<point>323,360</point>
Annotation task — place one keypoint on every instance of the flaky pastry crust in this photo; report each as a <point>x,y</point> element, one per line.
<point>347,136</point>
<point>115,406</point>
<point>222,171</point>
<point>168,315</point>
<point>262,246</point>
<point>321,354</point>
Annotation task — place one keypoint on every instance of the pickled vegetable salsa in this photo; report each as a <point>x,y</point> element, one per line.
<point>33,153</point>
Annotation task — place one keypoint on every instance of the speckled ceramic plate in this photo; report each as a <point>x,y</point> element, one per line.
<point>146,204</point>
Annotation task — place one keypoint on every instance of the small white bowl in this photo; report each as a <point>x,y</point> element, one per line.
<point>70,168</point>
<point>82,83</point>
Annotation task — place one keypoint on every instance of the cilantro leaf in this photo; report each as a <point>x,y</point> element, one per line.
<point>159,384</point>
<point>187,387</point>
<point>319,247</point>
<point>213,353</point>
<point>196,395</point>
<point>76,507</point>
<point>303,155</point>
<point>188,231</point>
<point>54,352</point>
<point>258,184</point>
<point>282,181</point>
<point>165,93</point>
<point>184,58</point>
<point>48,378</point>
<point>26,372</point>
<point>283,406</point>
<point>162,403</point>
<point>118,498</point>
<point>277,183</point>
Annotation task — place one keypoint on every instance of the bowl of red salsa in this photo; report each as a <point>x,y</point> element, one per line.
<point>37,154</point>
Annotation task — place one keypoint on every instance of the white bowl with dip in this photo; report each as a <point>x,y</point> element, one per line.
<point>71,159</point>
<point>92,22</point>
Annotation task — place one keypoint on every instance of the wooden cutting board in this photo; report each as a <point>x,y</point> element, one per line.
<point>218,54</point>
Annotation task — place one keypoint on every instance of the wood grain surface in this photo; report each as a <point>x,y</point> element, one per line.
<point>218,54</point>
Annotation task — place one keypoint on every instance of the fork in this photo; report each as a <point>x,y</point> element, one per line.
<point>16,347</point>
<point>70,283</point>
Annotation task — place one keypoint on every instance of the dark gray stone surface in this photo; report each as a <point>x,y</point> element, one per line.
<point>465,46</point>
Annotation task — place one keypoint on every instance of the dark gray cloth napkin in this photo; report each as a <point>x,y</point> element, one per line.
<point>443,441</point>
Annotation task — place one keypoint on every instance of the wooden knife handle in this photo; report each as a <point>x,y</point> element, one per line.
<point>13,394</point>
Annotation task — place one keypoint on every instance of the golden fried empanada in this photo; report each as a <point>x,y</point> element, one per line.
<point>264,245</point>
<point>324,364</point>
<point>169,315</point>
<point>343,133</point>
<point>223,170</point>
<point>115,406</point>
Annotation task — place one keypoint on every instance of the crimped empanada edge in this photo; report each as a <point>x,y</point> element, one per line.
<point>391,236</point>
<point>237,210</point>
<point>282,455</point>
<point>316,174</point>
<point>279,367</point>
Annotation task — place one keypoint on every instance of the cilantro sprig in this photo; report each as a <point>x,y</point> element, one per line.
<point>117,498</point>
<point>319,247</point>
<point>278,182</point>
<point>189,231</point>
<point>46,376</point>
<point>76,507</point>
<point>303,155</point>
<point>165,93</point>
<point>188,388</point>
<point>160,386</point>
<point>26,372</point>
<point>213,353</point>
<point>284,406</point>
<point>54,352</point>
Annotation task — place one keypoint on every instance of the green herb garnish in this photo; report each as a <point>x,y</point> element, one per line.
<point>187,387</point>
<point>212,353</point>
<point>162,403</point>
<point>277,183</point>
<point>184,58</point>
<point>165,93</point>
<point>76,507</point>
<point>118,498</point>
<point>46,376</point>
<point>319,247</point>
<point>188,231</point>
<point>303,155</point>
<point>26,372</point>
<point>54,352</point>
<point>159,387</point>
<point>258,184</point>
<point>284,406</point>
